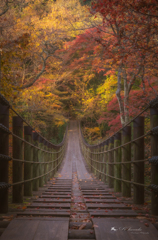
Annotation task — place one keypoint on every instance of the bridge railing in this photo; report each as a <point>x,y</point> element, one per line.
<point>27,160</point>
<point>122,162</point>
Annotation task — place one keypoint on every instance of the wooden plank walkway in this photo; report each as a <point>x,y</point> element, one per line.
<point>77,206</point>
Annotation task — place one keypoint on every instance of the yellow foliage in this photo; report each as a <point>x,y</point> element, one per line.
<point>92,132</point>
<point>107,90</point>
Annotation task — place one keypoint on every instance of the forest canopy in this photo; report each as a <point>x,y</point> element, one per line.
<point>91,60</point>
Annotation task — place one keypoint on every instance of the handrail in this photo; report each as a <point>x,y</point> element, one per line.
<point>34,160</point>
<point>120,161</point>
<point>4,100</point>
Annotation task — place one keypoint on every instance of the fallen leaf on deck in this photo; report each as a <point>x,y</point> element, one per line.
<point>146,224</point>
<point>82,226</point>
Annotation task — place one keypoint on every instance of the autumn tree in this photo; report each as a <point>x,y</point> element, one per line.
<point>130,53</point>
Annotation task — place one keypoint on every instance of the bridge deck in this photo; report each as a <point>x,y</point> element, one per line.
<point>77,206</point>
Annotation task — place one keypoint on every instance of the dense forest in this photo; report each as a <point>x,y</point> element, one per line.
<point>96,61</point>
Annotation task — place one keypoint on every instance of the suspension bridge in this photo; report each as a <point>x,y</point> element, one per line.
<point>77,190</point>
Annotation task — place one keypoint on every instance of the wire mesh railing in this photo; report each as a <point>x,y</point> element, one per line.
<point>122,159</point>
<point>33,159</point>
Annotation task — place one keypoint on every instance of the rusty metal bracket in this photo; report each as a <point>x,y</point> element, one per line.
<point>154,103</point>
<point>153,187</point>
<point>4,185</point>
<point>153,160</point>
<point>154,131</point>
<point>5,129</point>
<point>5,157</point>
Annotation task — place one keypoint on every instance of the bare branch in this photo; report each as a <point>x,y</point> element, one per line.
<point>118,95</point>
<point>131,82</point>
<point>152,87</point>
<point>6,8</point>
<point>38,75</point>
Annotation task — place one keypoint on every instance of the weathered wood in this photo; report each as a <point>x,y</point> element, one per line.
<point>91,157</point>
<point>92,188</point>
<point>52,161</point>
<point>121,229</point>
<point>117,159</point>
<point>35,159</point>
<point>61,185</point>
<point>154,167</point>
<point>81,234</point>
<point>112,213</point>
<point>36,230</point>
<point>87,225</point>
<point>48,229</point>
<point>28,156</point>
<point>18,230</point>
<point>106,170</point>
<point>101,162</point>
<point>94,192</point>
<point>111,161</point>
<point>45,160</point>
<point>52,200</point>
<point>55,196</point>
<point>41,159</point>
<point>99,197</point>
<point>138,168</point>
<point>53,213</point>
<point>4,224</point>
<point>126,157</point>
<point>18,153</point>
<point>106,206</point>
<point>4,149</point>
<point>103,165</point>
<point>49,210</point>
<point>96,195</point>
<point>57,192</point>
<point>60,189</point>
<point>48,167</point>
<point>101,200</point>
<point>50,205</point>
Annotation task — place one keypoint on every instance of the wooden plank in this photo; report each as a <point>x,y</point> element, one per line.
<point>99,197</point>
<point>44,200</point>
<point>121,229</point>
<point>94,191</point>
<point>60,189</point>
<point>43,218</point>
<point>55,196</point>
<point>91,188</point>
<point>57,192</point>
<point>63,180</point>
<point>101,200</point>
<point>104,205</point>
<point>52,230</point>
<point>112,213</point>
<point>90,185</point>
<point>65,188</point>
<point>45,210</point>
<point>36,230</point>
<point>96,194</point>
<point>44,213</point>
<point>48,205</point>
<point>18,230</point>
<point>52,193</point>
<point>80,234</point>
<point>61,185</point>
